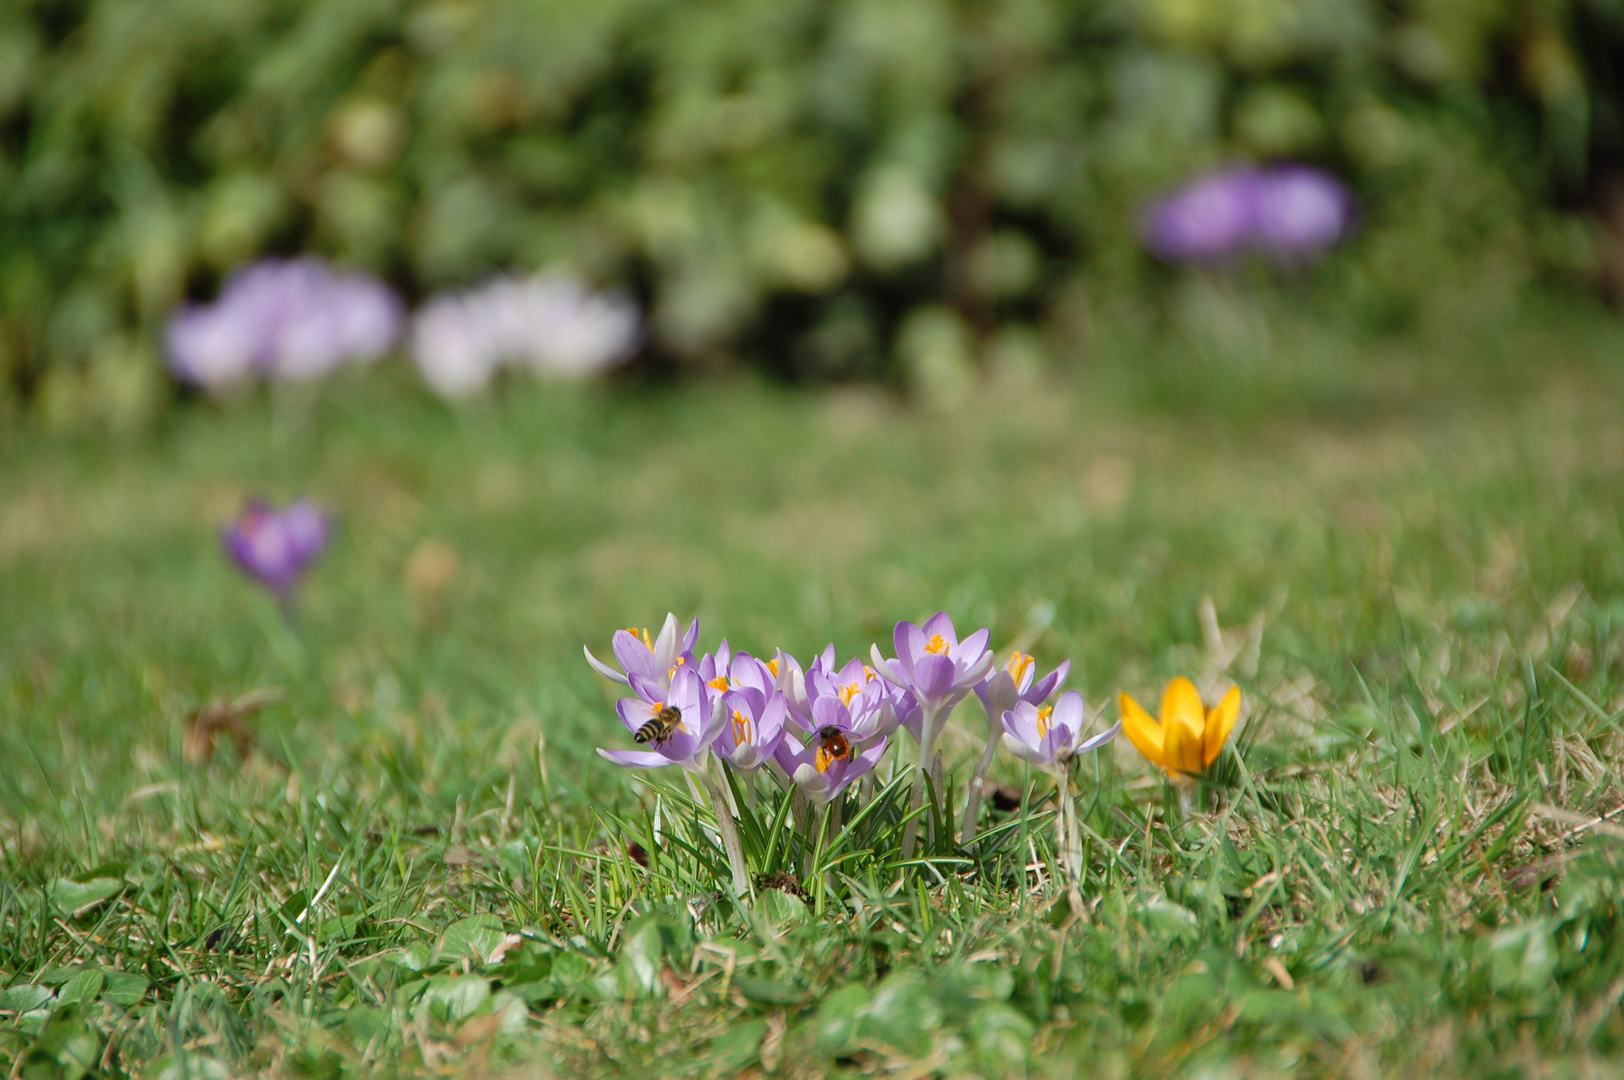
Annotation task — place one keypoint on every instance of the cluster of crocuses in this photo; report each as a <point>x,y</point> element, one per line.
<point>298,319</point>
<point>822,726</point>
<point>1290,213</point>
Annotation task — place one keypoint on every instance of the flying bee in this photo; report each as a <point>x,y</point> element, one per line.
<point>832,746</point>
<point>660,726</point>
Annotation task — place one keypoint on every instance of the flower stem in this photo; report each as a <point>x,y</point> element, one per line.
<point>978,783</point>
<point>1067,837</point>
<point>730,834</point>
<point>927,743</point>
<point>814,841</point>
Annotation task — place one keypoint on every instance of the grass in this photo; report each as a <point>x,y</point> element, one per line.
<point>415,863</point>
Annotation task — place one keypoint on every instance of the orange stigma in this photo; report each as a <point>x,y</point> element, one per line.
<point>1019,664</point>
<point>1044,712</point>
<point>742,729</point>
<point>641,635</point>
<point>849,691</point>
<point>772,666</point>
<point>937,644</point>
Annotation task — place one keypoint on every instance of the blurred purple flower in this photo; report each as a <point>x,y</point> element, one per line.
<point>286,319</point>
<point>1301,212</point>
<point>1211,218</point>
<point>550,323</point>
<point>275,547</point>
<point>1291,213</point>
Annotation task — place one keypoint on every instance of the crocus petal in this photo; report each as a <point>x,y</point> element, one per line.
<point>940,623</point>
<point>1068,714</point>
<point>976,672</point>
<point>1182,744</point>
<point>1021,723</point>
<point>1182,700</point>
<point>690,635</point>
<point>1145,733</point>
<point>933,676</point>
<point>604,669</point>
<point>883,668</point>
<point>636,759</point>
<point>634,712</point>
<point>970,649</point>
<point>1094,742</point>
<point>1220,722</point>
<point>1027,753</point>
<point>634,656</point>
<point>829,712</point>
<point>1045,687</point>
<point>910,645</point>
<point>809,780</point>
<point>665,645</point>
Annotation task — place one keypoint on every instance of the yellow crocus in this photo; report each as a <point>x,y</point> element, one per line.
<point>1188,737</point>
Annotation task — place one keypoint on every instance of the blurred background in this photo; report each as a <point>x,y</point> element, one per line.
<point>900,191</point>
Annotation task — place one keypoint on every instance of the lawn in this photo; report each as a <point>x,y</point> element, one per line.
<point>1408,553</point>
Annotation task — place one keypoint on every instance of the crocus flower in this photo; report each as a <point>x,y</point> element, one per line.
<point>939,670</point>
<point>652,660</point>
<point>852,697</point>
<point>1292,213</point>
<point>1188,737</point>
<point>275,546</point>
<point>1209,219</point>
<point>1050,739</point>
<point>1000,692</point>
<point>1048,736</point>
<point>285,319</point>
<point>933,663</point>
<point>1301,212</point>
<point>550,323</point>
<point>679,729</point>
<point>823,768</point>
<point>752,727</point>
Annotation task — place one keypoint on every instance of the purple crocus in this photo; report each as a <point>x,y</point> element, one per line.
<point>276,547</point>
<point>1210,219</point>
<point>852,698</point>
<point>680,728</point>
<point>752,727</point>
<point>939,670</point>
<point>1048,737</point>
<point>1301,212</point>
<point>933,663</point>
<point>999,692</point>
<point>284,319</point>
<point>1292,213</point>
<point>828,764</point>
<point>653,660</point>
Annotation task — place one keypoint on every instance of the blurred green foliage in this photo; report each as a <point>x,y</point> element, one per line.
<point>842,189</point>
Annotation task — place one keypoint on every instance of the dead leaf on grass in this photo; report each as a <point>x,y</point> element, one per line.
<point>231,718</point>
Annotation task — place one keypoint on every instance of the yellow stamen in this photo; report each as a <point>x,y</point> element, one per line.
<point>849,691</point>
<point>742,732</point>
<point>824,759</point>
<point>1044,712</point>
<point>772,666</point>
<point>681,660</point>
<point>643,634</point>
<point>718,684</point>
<point>1019,664</point>
<point>869,672</point>
<point>937,644</point>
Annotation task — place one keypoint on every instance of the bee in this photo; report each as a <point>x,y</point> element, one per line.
<point>832,746</point>
<point>660,726</point>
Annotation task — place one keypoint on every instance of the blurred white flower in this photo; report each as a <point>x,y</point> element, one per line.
<point>550,323</point>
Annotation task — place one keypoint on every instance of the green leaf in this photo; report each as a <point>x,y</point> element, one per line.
<point>82,987</point>
<point>72,897</point>
<point>124,988</point>
<point>453,998</point>
<point>476,937</point>
<point>1522,957</point>
<point>768,991</point>
<point>1001,1036</point>
<point>902,1013</point>
<point>25,997</point>
<point>735,1049</point>
<point>838,1018</point>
